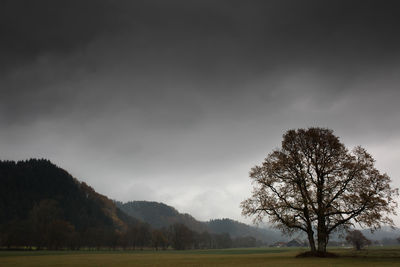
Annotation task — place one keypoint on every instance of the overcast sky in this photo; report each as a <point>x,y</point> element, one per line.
<point>175,101</point>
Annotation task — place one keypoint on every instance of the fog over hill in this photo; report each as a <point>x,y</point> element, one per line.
<point>161,215</point>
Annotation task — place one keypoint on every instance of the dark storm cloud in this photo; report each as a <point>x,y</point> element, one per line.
<point>176,100</point>
<point>227,41</point>
<point>275,30</point>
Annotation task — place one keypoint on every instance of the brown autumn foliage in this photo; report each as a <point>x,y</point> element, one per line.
<point>107,205</point>
<point>313,183</point>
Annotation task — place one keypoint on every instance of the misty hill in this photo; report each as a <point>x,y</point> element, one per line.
<point>26,184</point>
<point>238,229</point>
<point>160,215</point>
<point>386,235</point>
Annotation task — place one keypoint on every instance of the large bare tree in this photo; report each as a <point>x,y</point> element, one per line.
<point>314,184</point>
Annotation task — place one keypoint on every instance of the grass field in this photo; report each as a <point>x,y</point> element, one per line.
<point>281,257</point>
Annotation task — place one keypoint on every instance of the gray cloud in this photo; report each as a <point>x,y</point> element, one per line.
<point>175,101</point>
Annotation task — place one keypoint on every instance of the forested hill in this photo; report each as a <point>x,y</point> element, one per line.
<point>38,186</point>
<point>161,215</point>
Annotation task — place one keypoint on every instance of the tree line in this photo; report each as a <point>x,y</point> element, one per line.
<point>46,228</point>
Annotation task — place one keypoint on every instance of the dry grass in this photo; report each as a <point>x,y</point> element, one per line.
<point>244,257</point>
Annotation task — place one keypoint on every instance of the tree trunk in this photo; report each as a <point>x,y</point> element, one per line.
<point>311,240</point>
<point>322,244</point>
<point>322,239</point>
<point>322,234</point>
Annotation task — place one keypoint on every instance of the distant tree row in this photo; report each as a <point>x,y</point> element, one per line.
<point>45,228</point>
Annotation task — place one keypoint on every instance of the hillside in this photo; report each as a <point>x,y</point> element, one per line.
<point>28,185</point>
<point>386,235</point>
<point>238,229</point>
<point>160,215</point>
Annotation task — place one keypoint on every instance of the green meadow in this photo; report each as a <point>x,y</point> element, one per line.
<point>388,256</point>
